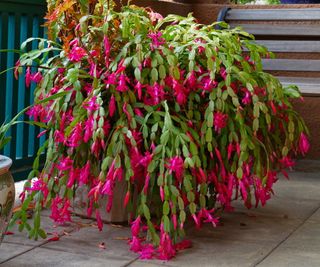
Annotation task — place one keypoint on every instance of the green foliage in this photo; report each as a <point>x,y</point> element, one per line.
<point>182,111</point>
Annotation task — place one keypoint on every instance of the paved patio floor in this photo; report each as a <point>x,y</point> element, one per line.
<point>286,232</point>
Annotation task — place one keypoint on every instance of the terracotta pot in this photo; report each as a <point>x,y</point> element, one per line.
<point>7,194</point>
<point>118,213</point>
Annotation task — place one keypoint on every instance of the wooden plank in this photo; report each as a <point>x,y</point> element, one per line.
<point>291,46</point>
<point>274,14</point>
<point>291,64</point>
<point>301,80</point>
<point>307,86</point>
<point>280,30</point>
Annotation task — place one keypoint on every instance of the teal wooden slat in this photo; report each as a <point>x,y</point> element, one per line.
<point>15,83</point>
<point>3,63</point>
<point>9,77</point>
<point>32,142</point>
<point>21,138</point>
<point>43,138</point>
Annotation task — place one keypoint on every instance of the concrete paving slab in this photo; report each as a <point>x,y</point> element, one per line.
<point>209,252</point>
<point>88,239</point>
<point>306,238</point>
<point>8,250</point>
<point>292,257</point>
<point>47,257</point>
<point>247,227</point>
<point>301,186</point>
<point>316,216</point>
<point>47,224</point>
<point>280,207</point>
<point>300,249</point>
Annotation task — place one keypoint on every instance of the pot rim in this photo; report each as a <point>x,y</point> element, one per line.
<point>5,164</point>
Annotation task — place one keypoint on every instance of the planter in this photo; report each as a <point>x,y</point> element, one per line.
<point>117,214</point>
<point>7,194</point>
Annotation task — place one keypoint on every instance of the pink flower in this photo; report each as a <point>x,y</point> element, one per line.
<point>76,136</point>
<point>272,178</point>
<point>107,46</point>
<point>39,185</point>
<point>135,244</point>
<point>91,105</point>
<point>77,53</point>
<point>223,73</point>
<point>260,193</point>
<point>179,92</point>
<point>65,164</point>
<point>156,40</point>
<point>243,189</point>
<point>136,227</point>
<point>176,165</point>
<point>208,84</point>
<point>230,150</point>
<point>99,220</point>
<point>37,77</point>
<point>219,121</point>
<point>125,110</point>
<point>192,80</point>
<point>174,221</point>
<point>107,189</point>
<point>112,106</point>
<point>156,93</point>
<point>73,176</point>
<point>59,137</point>
<point>196,220</point>
<point>208,217</point>
<point>304,144</point>
<point>166,249</point>
<point>111,79</point>
<point>109,204</point>
<point>88,129</point>
<point>88,88</point>
<point>154,17</point>
<point>147,252</point>
<point>121,67</point>
<point>146,184</point>
<point>161,193</point>
<point>38,113</point>
<point>122,83</point>
<point>145,161</point>
<point>138,88</point>
<point>85,173</point>
<point>93,70</point>
<point>60,212</point>
<point>16,69</point>
<point>61,70</point>
<point>97,147</point>
<point>126,199</point>
<point>28,77</point>
<point>246,100</point>
<point>287,162</point>
<point>95,191</point>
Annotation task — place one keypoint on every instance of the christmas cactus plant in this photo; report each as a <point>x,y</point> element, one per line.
<point>180,111</point>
